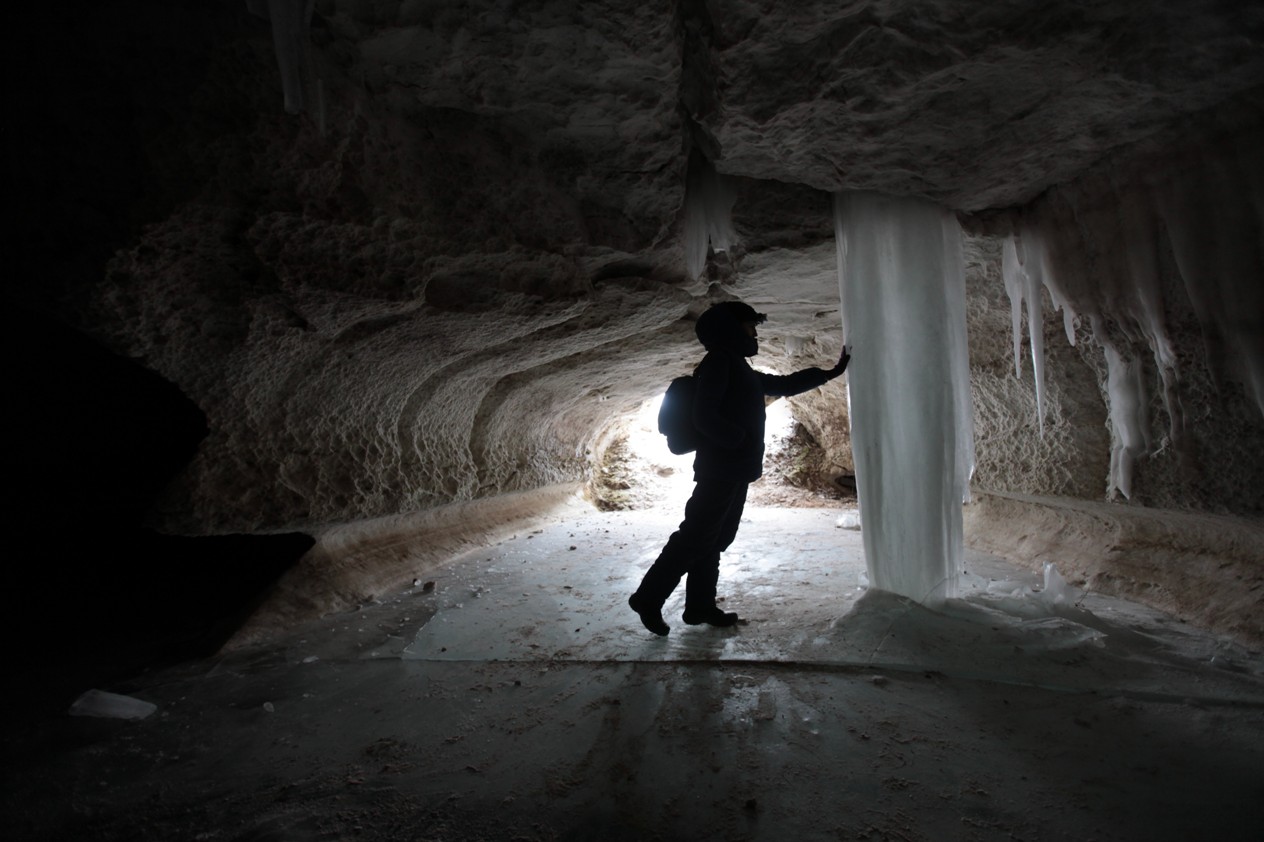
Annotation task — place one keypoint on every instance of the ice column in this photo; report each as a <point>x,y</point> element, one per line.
<point>902,282</point>
<point>708,213</point>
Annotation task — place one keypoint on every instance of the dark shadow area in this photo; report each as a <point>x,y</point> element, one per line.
<point>101,152</point>
<point>92,439</point>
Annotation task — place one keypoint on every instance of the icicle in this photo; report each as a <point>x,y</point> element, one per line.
<point>291,22</point>
<point>1031,259</point>
<point>901,277</point>
<point>1214,221</point>
<point>1053,243</point>
<point>1011,272</point>
<point>708,213</point>
<point>1128,422</point>
<point>1139,234</point>
<point>1068,320</point>
<point>1021,267</point>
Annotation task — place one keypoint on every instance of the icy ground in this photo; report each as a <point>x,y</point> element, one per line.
<point>512,695</point>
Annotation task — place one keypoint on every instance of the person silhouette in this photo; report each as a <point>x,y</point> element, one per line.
<point>729,413</point>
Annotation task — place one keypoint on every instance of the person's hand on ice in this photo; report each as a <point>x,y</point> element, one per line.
<point>843,359</point>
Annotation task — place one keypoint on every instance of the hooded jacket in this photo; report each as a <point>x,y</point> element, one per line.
<point>729,402</point>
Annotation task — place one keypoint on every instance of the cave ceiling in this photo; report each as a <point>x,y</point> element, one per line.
<point>572,128</point>
<point>972,105</point>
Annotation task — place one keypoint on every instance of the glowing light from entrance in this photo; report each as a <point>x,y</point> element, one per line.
<point>779,425</point>
<point>672,475</point>
<point>669,474</point>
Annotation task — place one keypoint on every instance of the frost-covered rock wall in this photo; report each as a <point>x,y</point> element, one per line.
<point>1071,456</point>
<point>334,404</point>
<point>482,238</point>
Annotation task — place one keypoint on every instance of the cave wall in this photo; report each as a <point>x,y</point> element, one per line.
<point>466,257</point>
<point>388,308</point>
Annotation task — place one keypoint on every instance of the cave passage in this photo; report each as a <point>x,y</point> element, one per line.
<point>638,471</point>
<point>366,284</point>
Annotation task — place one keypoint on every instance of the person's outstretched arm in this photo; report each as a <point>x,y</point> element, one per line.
<point>804,380</point>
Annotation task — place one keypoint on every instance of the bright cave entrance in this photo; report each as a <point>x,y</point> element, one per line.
<point>634,469</point>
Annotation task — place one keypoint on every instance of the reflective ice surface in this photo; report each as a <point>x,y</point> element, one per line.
<point>796,577</point>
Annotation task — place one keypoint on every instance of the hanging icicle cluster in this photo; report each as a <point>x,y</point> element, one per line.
<point>1099,254</point>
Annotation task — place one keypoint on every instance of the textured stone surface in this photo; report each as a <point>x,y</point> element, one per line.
<point>1199,567</point>
<point>465,260</point>
<point>973,105</point>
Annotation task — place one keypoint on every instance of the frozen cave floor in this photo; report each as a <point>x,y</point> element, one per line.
<point>511,694</point>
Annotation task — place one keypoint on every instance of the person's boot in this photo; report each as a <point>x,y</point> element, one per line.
<point>651,618</point>
<point>712,615</point>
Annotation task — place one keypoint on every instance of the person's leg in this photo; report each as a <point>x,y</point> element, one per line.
<point>704,575</point>
<point>703,527</point>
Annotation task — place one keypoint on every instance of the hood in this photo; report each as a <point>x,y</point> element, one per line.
<point>720,328</point>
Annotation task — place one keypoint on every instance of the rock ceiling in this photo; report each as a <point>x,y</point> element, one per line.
<point>973,105</point>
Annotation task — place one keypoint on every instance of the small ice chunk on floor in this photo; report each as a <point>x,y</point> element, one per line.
<point>1056,590</point>
<point>111,705</point>
<point>849,520</point>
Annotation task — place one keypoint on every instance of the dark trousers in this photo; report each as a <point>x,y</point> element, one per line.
<point>711,519</point>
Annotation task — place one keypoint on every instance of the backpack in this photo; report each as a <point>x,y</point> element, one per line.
<point>675,416</point>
